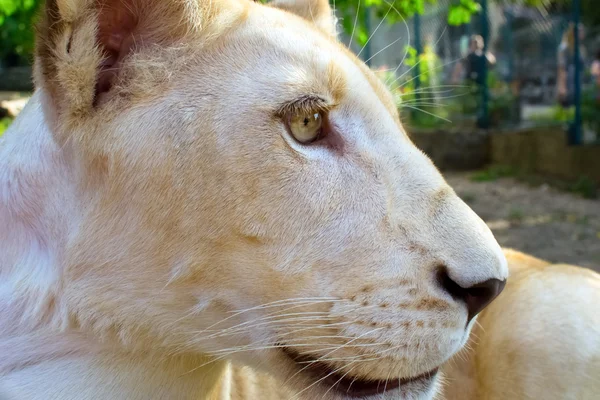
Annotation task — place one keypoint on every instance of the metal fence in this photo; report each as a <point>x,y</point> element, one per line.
<point>426,63</point>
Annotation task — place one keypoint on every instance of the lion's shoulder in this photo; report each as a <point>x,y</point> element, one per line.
<point>245,383</point>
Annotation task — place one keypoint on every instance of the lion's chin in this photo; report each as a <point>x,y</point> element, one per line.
<point>339,385</point>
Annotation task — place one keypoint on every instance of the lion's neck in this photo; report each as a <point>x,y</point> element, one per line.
<point>38,213</point>
<point>69,368</point>
<point>36,198</point>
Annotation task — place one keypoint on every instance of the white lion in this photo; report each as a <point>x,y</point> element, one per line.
<point>195,182</point>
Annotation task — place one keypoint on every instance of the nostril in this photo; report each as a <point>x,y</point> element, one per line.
<point>476,297</point>
<point>481,295</point>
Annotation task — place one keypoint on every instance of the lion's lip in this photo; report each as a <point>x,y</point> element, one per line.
<point>352,386</point>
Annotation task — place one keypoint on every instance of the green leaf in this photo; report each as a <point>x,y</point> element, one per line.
<point>457,15</point>
<point>401,10</point>
<point>361,36</point>
<point>470,5</point>
<point>29,4</point>
<point>8,7</point>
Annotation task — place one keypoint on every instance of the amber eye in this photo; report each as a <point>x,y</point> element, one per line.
<point>306,127</point>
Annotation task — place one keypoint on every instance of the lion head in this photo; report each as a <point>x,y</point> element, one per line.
<point>240,186</point>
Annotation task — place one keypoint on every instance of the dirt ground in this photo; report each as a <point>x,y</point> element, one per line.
<point>542,221</point>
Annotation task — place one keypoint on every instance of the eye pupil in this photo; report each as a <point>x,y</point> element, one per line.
<point>306,127</point>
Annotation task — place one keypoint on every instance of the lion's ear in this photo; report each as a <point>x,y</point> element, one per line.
<point>82,44</point>
<point>316,11</point>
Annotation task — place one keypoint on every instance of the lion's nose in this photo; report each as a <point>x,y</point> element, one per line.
<point>476,297</point>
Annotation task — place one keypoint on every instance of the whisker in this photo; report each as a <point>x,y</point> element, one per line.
<point>375,31</point>
<point>303,327</point>
<point>297,325</point>
<point>386,381</point>
<point>322,337</point>
<point>432,92</point>
<point>480,326</point>
<point>228,318</point>
<point>317,382</point>
<point>420,104</point>
<point>407,31</point>
<point>300,300</point>
<point>419,61</point>
<point>442,86</point>
<point>354,26</point>
<point>453,96</point>
<point>351,383</point>
<point>374,55</point>
<point>338,381</point>
<point>418,76</point>
<point>308,316</point>
<point>282,319</point>
<point>332,351</point>
<point>266,305</point>
<point>429,113</point>
<point>256,347</point>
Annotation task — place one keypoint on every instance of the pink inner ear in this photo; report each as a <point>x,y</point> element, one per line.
<point>116,37</point>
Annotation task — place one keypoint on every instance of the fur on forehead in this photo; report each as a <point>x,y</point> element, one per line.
<point>85,48</point>
<point>316,11</point>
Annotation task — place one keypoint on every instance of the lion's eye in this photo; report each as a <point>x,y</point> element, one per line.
<point>306,127</point>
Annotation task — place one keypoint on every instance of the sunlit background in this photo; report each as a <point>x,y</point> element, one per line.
<point>504,95</point>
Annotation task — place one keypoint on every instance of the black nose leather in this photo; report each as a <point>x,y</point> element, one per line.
<point>476,297</point>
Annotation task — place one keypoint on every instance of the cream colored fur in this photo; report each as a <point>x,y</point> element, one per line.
<point>539,340</point>
<point>159,221</point>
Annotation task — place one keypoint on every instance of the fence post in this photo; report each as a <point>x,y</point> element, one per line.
<point>577,128</point>
<point>511,79</point>
<point>509,44</point>
<point>485,34</point>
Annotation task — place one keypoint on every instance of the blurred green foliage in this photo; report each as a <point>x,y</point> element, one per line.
<point>4,124</point>
<point>16,31</point>
<point>461,12</point>
<point>585,187</point>
<point>354,15</point>
<point>430,104</point>
<point>590,110</point>
<point>419,89</point>
<point>582,186</point>
<point>17,19</point>
<point>494,172</point>
<point>416,89</point>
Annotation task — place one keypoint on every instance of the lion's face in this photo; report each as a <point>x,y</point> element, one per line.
<point>209,222</point>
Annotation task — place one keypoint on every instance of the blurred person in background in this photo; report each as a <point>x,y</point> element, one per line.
<point>566,66</point>
<point>471,69</point>
<point>476,60</point>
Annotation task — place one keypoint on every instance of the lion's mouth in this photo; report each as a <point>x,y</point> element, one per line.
<point>351,386</point>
